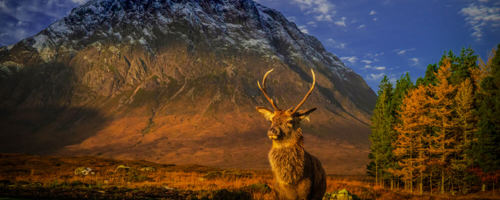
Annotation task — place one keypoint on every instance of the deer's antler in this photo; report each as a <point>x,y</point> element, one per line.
<point>263,89</point>
<point>307,95</point>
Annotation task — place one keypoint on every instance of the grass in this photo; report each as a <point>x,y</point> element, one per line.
<point>54,177</point>
<point>36,176</point>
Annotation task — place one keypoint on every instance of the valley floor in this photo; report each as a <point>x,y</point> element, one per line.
<point>51,177</point>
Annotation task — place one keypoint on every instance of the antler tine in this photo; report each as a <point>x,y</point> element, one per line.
<point>263,89</point>
<point>308,93</point>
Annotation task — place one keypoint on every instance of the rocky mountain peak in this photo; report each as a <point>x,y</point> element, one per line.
<point>241,24</point>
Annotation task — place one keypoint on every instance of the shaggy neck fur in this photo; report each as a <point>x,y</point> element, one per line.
<point>287,158</point>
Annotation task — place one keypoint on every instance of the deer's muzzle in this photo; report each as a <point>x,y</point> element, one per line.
<point>274,133</point>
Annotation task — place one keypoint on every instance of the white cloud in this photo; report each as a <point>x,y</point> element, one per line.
<point>335,44</point>
<point>291,18</point>
<point>375,19</point>
<point>324,18</point>
<point>79,1</point>
<point>2,4</point>
<point>403,51</point>
<point>367,61</point>
<point>374,77</point>
<point>351,59</point>
<point>369,66</point>
<point>374,55</point>
<point>372,12</point>
<point>361,26</point>
<point>323,9</point>
<point>380,68</point>
<point>303,29</point>
<point>480,16</point>
<point>341,22</point>
<point>312,23</point>
<point>415,61</point>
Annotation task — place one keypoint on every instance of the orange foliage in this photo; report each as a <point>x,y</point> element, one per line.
<point>413,129</point>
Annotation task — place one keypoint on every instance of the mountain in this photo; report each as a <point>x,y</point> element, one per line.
<point>174,81</point>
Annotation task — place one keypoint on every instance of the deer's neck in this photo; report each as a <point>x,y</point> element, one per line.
<point>287,159</point>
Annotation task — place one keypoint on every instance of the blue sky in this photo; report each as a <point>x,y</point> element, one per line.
<point>374,38</point>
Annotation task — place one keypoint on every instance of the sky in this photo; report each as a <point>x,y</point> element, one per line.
<point>374,38</point>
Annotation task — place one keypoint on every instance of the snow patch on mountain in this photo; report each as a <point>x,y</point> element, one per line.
<point>41,41</point>
<point>233,23</point>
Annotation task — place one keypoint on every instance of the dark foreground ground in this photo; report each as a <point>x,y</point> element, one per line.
<point>51,177</point>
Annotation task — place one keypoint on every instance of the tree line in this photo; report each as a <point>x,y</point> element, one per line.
<point>441,134</point>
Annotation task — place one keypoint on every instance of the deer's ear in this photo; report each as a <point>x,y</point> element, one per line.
<point>304,114</point>
<point>265,112</point>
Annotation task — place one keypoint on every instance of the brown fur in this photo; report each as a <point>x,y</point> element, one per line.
<point>297,174</point>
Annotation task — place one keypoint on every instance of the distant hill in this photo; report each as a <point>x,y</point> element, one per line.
<point>174,81</point>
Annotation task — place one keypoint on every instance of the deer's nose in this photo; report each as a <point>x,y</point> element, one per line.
<point>273,133</point>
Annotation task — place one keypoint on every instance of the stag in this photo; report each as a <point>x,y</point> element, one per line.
<point>297,174</point>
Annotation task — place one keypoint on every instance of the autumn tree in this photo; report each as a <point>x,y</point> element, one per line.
<point>483,70</point>
<point>466,125</point>
<point>403,86</point>
<point>442,105</point>
<point>410,145</point>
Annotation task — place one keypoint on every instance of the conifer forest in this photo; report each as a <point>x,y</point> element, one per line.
<point>439,134</point>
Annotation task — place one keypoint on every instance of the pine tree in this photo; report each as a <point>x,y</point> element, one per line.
<point>486,149</point>
<point>380,149</point>
<point>403,85</point>
<point>462,65</point>
<point>442,140</point>
<point>430,76</point>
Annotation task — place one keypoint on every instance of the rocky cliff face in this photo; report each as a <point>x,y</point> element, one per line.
<point>175,81</point>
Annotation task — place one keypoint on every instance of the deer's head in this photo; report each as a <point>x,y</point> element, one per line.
<point>284,122</point>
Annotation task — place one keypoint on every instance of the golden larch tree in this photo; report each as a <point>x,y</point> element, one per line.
<point>409,147</point>
<point>443,111</point>
<point>484,70</point>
